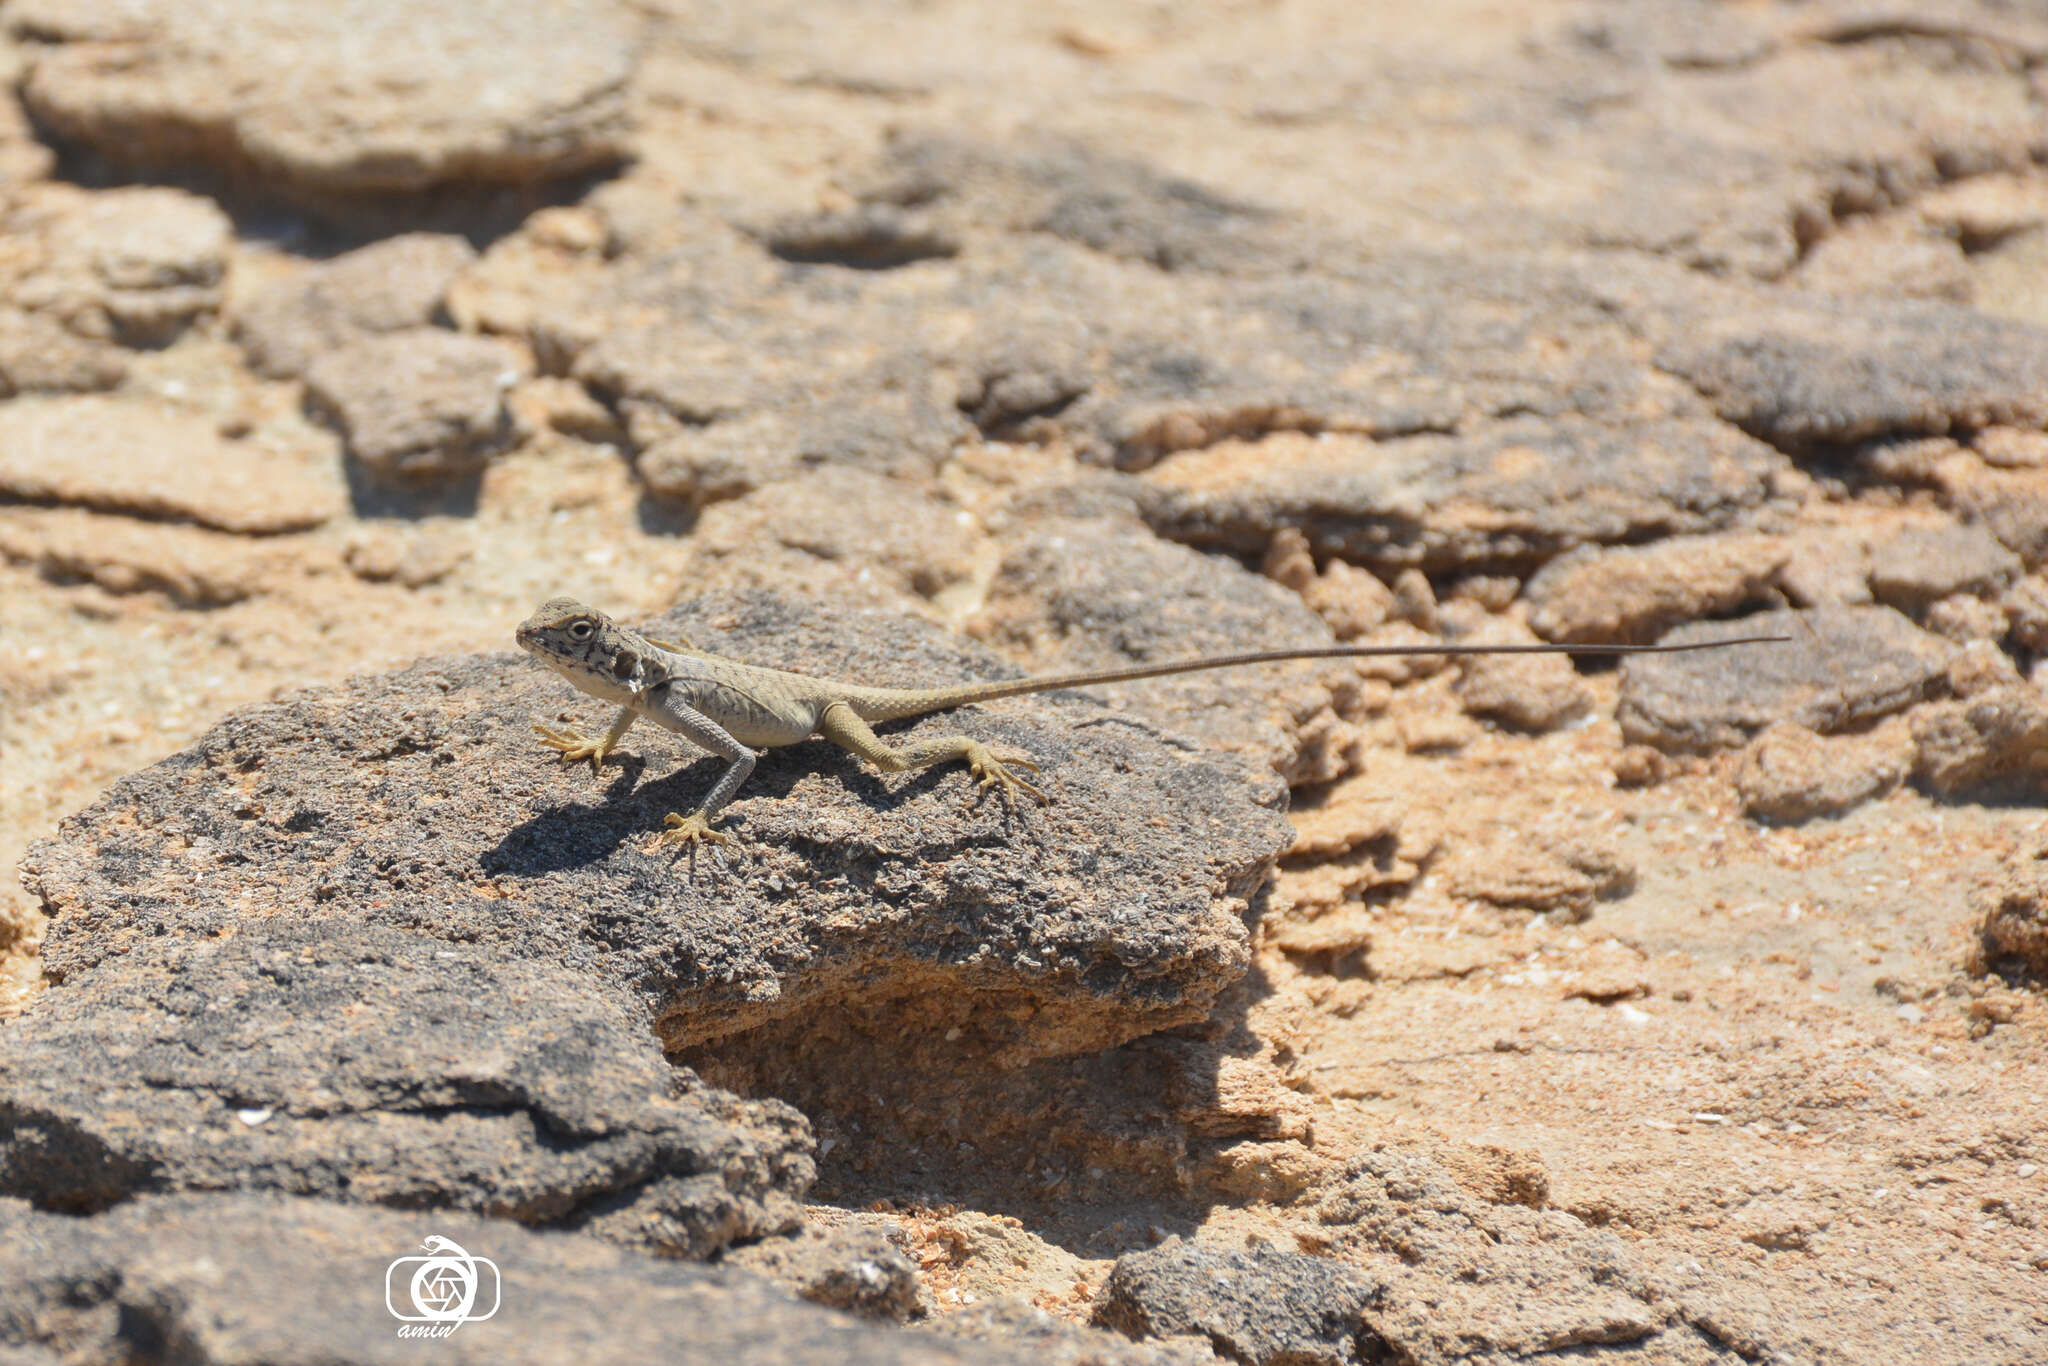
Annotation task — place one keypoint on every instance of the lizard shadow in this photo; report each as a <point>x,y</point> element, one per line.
<point>578,834</point>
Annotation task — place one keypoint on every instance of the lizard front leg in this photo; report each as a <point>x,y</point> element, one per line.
<point>843,727</point>
<point>671,712</point>
<point>574,744</point>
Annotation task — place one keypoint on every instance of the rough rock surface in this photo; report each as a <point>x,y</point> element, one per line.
<point>400,282</point>
<point>1264,1307</point>
<point>2012,938</point>
<point>315,1057</point>
<point>1101,593</point>
<point>149,458</point>
<point>39,355</point>
<point>1812,374</point>
<point>2001,733</point>
<point>1839,667</point>
<point>1633,594</point>
<point>1922,564</point>
<point>419,403</point>
<point>860,1267</point>
<point>1788,773</point>
<point>1505,494</point>
<point>321,102</point>
<point>133,265</point>
<point>418,801</point>
<point>171,1278</point>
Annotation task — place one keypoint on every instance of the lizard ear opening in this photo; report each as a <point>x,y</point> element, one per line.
<point>625,664</point>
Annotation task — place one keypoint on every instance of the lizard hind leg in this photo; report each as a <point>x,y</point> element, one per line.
<point>843,727</point>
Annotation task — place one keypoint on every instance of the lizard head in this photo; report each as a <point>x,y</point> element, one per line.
<point>586,647</point>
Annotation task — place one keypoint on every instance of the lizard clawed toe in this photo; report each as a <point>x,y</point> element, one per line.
<point>574,746</point>
<point>689,831</point>
<point>991,772</point>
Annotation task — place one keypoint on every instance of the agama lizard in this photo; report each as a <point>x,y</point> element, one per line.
<point>729,708</point>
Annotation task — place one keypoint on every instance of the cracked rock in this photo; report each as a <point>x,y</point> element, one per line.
<point>1837,669</point>
<point>281,92</point>
<point>1790,774</point>
<point>1101,593</point>
<point>133,265</point>
<point>295,1282</point>
<point>1527,488</point>
<point>151,459</point>
<point>1264,1307</point>
<point>309,1057</point>
<point>1848,371</point>
<point>420,403</point>
<point>1633,594</point>
<point>395,284</point>
<point>419,801</point>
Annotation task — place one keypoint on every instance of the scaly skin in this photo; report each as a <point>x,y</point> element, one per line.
<point>731,708</point>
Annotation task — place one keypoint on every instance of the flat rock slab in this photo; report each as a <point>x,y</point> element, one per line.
<point>420,801</point>
<point>369,1064</point>
<point>152,459</point>
<point>248,1279</point>
<point>1838,668</point>
<point>320,100</point>
<point>1264,1307</point>
<point>1508,493</point>
<point>1852,370</point>
<point>419,403</point>
<point>397,283</point>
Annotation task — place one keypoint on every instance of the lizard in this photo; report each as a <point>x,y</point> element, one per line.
<point>730,708</point>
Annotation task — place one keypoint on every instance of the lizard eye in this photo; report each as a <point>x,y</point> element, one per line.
<point>581,630</point>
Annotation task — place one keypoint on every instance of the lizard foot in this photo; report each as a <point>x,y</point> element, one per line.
<point>991,772</point>
<point>689,831</point>
<point>574,745</point>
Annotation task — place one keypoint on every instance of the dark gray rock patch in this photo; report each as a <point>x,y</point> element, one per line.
<point>1264,1307</point>
<point>1840,667</point>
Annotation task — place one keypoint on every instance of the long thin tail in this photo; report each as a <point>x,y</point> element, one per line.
<point>890,704</point>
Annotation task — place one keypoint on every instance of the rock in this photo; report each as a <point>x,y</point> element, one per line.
<point>414,557</point>
<point>1915,566</point>
<point>1965,617</point>
<point>134,265</point>
<point>2001,733</point>
<point>860,1267</point>
<point>1526,692</point>
<point>1633,594</point>
<point>1539,872</point>
<point>1839,668</point>
<point>1265,1307</point>
<point>1011,1323</point>
<point>39,355</point>
<point>148,458</point>
<point>1827,566</point>
<point>1346,597</point>
<point>2026,607</point>
<point>1888,261</point>
<point>1790,774</point>
<point>234,1278</point>
<point>899,907</point>
<point>309,1056</point>
<point>191,566</point>
<point>1466,1279</point>
<point>1085,594</point>
<point>869,237</point>
<point>1514,491</point>
<point>1798,374</point>
<point>2012,934</point>
<point>2010,504</point>
<point>841,532</point>
<point>1118,206</point>
<point>389,286</point>
<point>277,93</point>
<point>419,403</point>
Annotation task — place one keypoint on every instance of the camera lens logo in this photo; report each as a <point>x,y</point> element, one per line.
<point>436,1294</point>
